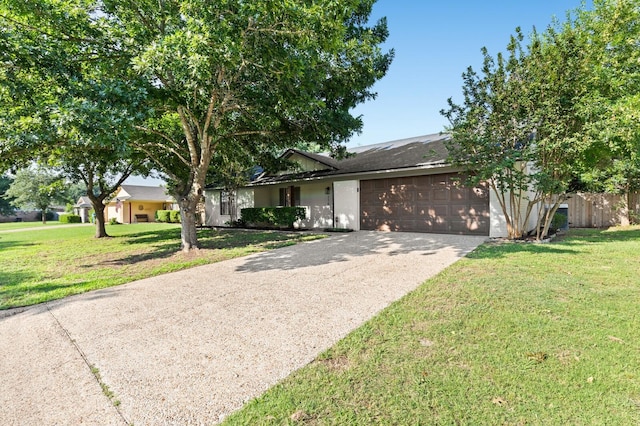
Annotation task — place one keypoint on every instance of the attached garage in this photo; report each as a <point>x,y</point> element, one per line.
<point>432,203</point>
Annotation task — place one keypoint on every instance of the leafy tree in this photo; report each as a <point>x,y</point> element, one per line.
<point>492,133</point>
<point>36,188</point>
<point>61,104</point>
<point>230,75</point>
<point>612,105</point>
<point>212,76</point>
<point>562,109</point>
<point>6,206</point>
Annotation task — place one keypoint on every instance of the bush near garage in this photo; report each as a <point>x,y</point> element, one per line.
<point>272,217</point>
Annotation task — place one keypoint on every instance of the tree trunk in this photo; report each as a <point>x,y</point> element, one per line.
<point>98,208</point>
<point>188,232</point>
<point>101,231</point>
<point>44,216</point>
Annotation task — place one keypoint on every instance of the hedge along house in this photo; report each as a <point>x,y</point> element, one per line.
<point>137,203</point>
<point>404,185</point>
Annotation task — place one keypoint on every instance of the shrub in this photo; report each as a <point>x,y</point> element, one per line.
<point>113,221</point>
<point>272,216</point>
<point>558,221</point>
<point>163,216</point>
<point>174,216</point>
<point>70,218</point>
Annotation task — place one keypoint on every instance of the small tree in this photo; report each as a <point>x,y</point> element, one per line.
<point>36,188</point>
<point>519,127</point>
<point>492,134</point>
<point>6,206</point>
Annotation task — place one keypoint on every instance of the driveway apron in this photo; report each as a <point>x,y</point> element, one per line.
<point>191,347</point>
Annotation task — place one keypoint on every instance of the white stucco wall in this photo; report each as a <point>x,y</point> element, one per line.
<point>244,198</point>
<point>346,199</point>
<point>316,198</point>
<point>498,227</point>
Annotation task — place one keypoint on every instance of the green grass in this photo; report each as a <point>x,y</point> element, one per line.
<point>513,334</point>
<point>46,264</point>
<point>9,226</point>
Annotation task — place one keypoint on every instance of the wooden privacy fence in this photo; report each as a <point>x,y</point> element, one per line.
<point>587,210</point>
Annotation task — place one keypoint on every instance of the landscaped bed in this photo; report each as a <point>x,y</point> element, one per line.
<point>512,334</point>
<point>47,264</point>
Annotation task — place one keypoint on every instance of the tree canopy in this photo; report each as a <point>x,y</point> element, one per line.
<point>36,188</point>
<point>559,109</point>
<point>195,78</point>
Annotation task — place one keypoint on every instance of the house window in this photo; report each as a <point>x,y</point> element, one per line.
<point>226,200</point>
<point>290,196</point>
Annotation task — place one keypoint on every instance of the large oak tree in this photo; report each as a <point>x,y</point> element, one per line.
<point>255,76</point>
<point>252,76</point>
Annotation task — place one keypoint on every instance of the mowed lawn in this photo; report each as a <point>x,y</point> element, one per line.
<point>514,334</point>
<point>54,262</point>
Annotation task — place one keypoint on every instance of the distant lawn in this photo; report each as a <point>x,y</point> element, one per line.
<point>514,334</point>
<point>47,264</point>
<point>22,225</point>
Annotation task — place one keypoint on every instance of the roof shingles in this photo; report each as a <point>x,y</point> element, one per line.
<point>421,151</point>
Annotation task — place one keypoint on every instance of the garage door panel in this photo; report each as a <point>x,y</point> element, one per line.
<point>436,203</point>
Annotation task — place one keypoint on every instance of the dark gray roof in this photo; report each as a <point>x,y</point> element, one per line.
<point>421,151</point>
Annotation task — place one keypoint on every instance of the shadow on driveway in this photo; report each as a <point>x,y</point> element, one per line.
<point>343,247</point>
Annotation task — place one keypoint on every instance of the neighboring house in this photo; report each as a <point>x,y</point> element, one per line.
<point>404,185</point>
<point>137,203</point>
<point>82,207</point>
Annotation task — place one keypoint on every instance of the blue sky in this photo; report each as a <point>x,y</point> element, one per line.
<point>435,42</point>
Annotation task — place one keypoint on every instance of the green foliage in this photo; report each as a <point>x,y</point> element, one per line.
<point>174,216</point>
<point>188,80</point>
<point>163,216</point>
<point>565,103</point>
<point>35,189</point>
<point>6,207</point>
<point>70,218</point>
<point>114,221</point>
<point>559,220</point>
<point>272,216</point>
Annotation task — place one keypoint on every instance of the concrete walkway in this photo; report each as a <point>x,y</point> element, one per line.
<point>192,346</point>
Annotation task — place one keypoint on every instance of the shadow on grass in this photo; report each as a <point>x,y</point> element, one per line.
<point>563,244</point>
<point>4,245</point>
<point>493,250</point>
<point>11,279</point>
<point>15,297</point>
<point>166,243</point>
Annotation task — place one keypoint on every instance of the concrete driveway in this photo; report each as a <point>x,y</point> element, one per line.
<point>192,346</point>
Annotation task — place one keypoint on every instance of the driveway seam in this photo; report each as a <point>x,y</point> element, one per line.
<point>90,366</point>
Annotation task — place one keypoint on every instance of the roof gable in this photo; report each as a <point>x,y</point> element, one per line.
<point>143,193</point>
<point>418,152</point>
<point>308,162</point>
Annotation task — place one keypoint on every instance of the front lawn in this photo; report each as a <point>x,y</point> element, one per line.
<point>46,264</point>
<point>513,334</point>
<point>9,226</point>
